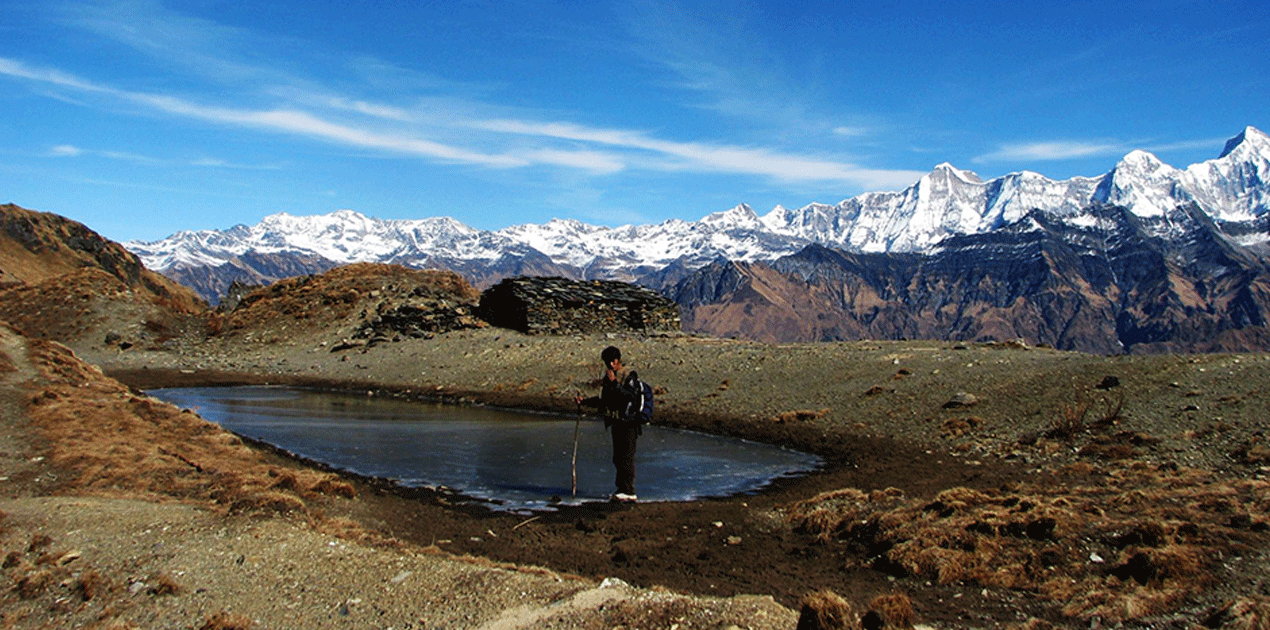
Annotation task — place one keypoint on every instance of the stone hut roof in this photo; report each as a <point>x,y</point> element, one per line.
<point>563,306</point>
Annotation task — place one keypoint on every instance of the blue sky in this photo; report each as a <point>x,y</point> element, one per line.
<point>142,118</point>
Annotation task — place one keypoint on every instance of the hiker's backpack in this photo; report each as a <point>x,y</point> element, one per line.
<point>639,405</point>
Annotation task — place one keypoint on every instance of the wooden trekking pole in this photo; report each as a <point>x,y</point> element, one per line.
<point>574,464</point>
<point>575,454</point>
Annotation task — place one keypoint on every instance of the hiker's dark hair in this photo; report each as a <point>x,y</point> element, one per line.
<point>609,354</point>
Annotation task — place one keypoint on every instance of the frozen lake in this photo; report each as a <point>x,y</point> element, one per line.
<point>515,460</point>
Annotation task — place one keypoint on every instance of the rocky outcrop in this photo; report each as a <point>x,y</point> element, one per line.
<point>422,314</point>
<point>377,302</point>
<point>560,306</point>
<point>234,296</point>
<point>61,281</point>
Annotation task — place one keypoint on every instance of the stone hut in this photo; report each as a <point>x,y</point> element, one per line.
<point>562,306</point>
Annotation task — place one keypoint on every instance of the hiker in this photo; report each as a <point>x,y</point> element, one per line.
<point>626,403</point>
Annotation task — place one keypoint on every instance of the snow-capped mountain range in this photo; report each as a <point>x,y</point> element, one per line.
<point>1233,189</point>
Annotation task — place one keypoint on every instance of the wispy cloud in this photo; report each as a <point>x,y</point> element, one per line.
<point>627,149</point>
<point>211,49</point>
<point>210,162</point>
<point>721,63</point>
<point>19,70</point>
<point>72,151</point>
<point>850,132</point>
<point>1051,151</point>
<point>1075,149</point>
<point>658,154</point>
<point>65,150</point>
<point>439,121</point>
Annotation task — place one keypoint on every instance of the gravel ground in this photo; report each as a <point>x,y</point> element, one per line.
<point>1200,408</point>
<point>174,566</point>
<point>108,557</point>
<point>920,416</point>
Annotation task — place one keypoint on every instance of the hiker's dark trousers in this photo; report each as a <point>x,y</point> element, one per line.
<point>624,437</point>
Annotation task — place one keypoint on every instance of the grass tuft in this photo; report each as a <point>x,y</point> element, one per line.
<point>1120,541</point>
<point>826,610</point>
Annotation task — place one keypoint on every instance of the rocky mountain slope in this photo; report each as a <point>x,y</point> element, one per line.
<point>1109,286</point>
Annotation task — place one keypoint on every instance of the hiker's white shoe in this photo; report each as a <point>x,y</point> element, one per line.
<point>622,497</point>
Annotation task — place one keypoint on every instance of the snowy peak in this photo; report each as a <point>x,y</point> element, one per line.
<point>1140,162</point>
<point>948,170</point>
<point>1250,141</point>
<point>1142,182</point>
<point>1236,186</point>
<point>1233,189</point>
<point>741,217</point>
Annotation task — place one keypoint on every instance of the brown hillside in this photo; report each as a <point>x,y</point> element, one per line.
<point>37,246</point>
<point>64,282</point>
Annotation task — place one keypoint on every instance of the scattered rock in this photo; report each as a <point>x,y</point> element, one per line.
<point>1108,382</point>
<point>961,400</point>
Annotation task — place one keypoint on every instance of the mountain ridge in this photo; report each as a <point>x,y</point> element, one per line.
<point>943,203</point>
<point>1145,257</point>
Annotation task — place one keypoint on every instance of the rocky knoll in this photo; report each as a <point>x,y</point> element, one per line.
<point>38,245</point>
<point>363,303</point>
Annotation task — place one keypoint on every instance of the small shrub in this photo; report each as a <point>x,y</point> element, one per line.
<point>165,585</point>
<point>893,611</point>
<point>1070,424</point>
<point>826,610</point>
<point>90,585</point>
<point>32,584</point>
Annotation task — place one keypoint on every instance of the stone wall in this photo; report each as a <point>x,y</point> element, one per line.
<point>561,306</point>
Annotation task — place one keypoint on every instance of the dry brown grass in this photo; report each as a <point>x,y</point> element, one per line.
<point>826,610</point>
<point>1245,613</point>
<point>1118,542</point>
<point>111,442</point>
<point>90,585</point>
<point>1075,418</point>
<point>955,427</point>
<point>890,611</point>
